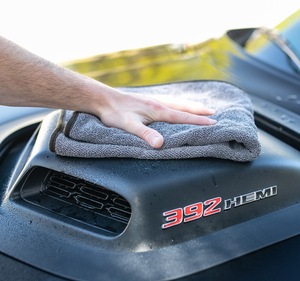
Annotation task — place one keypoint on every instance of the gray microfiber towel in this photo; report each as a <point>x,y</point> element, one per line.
<point>233,137</point>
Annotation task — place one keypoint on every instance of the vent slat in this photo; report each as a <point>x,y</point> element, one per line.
<point>63,182</point>
<point>54,190</point>
<point>96,193</point>
<point>87,202</point>
<point>119,213</point>
<point>121,202</point>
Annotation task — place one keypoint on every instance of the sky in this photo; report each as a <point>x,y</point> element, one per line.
<point>62,30</point>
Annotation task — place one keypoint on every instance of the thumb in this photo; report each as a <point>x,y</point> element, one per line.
<point>147,134</point>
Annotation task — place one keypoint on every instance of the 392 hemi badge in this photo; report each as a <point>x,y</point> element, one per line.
<point>212,206</point>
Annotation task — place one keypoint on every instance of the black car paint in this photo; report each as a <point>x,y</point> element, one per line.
<point>67,249</point>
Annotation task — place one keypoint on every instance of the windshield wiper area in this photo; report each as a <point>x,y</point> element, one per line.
<point>282,44</point>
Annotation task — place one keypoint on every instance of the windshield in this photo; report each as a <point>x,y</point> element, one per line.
<point>263,47</point>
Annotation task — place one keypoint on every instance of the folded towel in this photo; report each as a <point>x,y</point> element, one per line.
<point>233,137</point>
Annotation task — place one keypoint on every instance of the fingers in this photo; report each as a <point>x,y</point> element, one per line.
<point>163,114</point>
<point>134,124</point>
<point>137,125</point>
<point>154,138</point>
<point>189,106</point>
<point>179,117</point>
<point>179,104</point>
<point>147,134</point>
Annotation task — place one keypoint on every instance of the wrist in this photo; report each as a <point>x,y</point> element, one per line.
<point>97,97</point>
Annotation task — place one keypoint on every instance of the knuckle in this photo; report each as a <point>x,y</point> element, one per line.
<point>184,117</point>
<point>154,105</point>
<point>180,117</point>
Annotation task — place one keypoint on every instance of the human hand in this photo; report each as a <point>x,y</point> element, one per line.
<point>132,112</point>
<point>28,80</point>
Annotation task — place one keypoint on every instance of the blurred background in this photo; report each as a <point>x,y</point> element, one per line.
<point>62,30</point>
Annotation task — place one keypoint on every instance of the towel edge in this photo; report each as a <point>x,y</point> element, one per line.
<point>58,129</point>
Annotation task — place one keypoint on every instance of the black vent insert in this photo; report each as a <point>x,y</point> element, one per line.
<point>77,199</point>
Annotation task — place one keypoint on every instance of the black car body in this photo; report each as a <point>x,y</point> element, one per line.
<point>113,219</point>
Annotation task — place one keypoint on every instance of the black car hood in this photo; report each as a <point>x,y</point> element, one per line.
<point>258,206</point>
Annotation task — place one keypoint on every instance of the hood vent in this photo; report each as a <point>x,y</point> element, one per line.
<point>77,199</point>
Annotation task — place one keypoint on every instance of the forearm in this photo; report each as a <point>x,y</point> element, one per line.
<point>28,80</point>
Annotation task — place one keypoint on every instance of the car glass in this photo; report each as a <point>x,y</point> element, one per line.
<point>261,46</point>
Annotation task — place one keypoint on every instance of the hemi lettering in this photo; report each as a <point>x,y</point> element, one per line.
<point>250,197</point>
<point>267,192</point>
<point>237,201</point>
<point>247,198</point>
